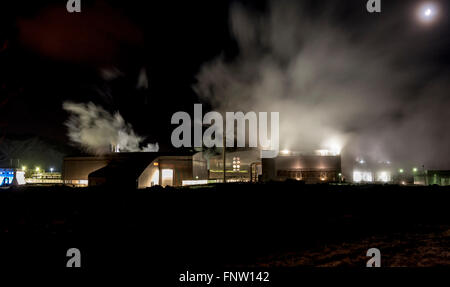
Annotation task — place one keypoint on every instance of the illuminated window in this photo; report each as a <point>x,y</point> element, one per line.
<point>167,177</point>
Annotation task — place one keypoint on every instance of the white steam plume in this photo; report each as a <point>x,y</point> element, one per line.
<point>95,130</point>
<point>368,89</point>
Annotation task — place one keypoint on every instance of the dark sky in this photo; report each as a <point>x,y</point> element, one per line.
<point>53,56</point>
<point>49,56</point>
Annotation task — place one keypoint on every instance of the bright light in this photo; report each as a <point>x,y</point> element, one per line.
<point>427,12</point>
<point>415,169</point>
<point>322,152</point>
<point>285,152</point>
<point>362,176</point>
<point>20,177</point>
<point>333,145</point>
<point>167,174</point>
<point>194,182</point>
<point>24,168</point>
<point>401,170</point>
<point>383,176</point>
<point>37,169</point>
<point>166,177</point>
<point>155,178</point>
<point>51,169</point>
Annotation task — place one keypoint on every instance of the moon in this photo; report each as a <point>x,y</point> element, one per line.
<point>427,12</point>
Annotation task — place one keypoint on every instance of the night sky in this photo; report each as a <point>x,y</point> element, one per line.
<point>49,56</point>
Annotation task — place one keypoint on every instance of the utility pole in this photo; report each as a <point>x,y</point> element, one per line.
<point>424,175</point>
<point>224,158</point>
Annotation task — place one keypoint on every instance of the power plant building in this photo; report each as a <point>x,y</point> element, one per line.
<point>306,168</point>
<point>146,169</point>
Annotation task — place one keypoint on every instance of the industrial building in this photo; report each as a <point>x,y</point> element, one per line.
<point>136,170</point>
<point>141,170</point>
<point>146,169</point>
<point>310,168</point>
<point>240,166</point>
<point>433,177</point>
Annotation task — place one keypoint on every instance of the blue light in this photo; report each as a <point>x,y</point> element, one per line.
<point>6,176</point>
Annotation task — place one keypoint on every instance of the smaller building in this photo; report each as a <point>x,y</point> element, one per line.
<point>11,176</point>
<point>432,177</point>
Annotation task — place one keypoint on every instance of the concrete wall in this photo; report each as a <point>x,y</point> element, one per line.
<point>79,168</point>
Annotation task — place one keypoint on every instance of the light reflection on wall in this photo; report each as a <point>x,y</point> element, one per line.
<point>155,178</point>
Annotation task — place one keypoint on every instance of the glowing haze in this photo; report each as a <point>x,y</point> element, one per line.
<point>335,87</point>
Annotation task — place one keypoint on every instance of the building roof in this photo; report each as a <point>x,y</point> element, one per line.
<point>132,164</point>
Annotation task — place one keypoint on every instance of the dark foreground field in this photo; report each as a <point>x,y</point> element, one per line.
<point>226,226</point>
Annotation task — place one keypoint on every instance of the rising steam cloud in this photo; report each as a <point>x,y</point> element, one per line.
<point>96,130</point>
<point>363,90</point>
